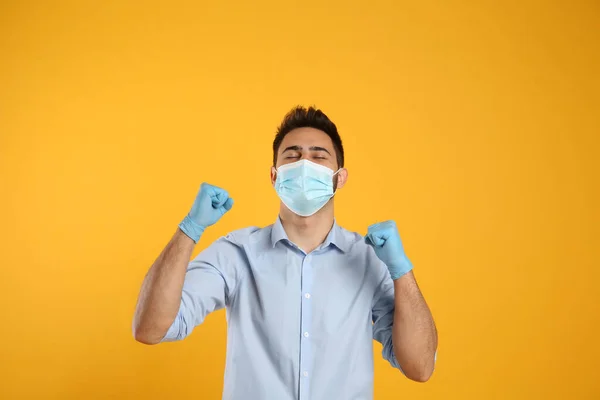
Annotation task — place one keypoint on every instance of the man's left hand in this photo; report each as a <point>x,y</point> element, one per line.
<point>385,239</point>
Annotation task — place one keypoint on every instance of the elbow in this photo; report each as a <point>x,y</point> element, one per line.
<point>417,370</point>
<point>146,336</point>
<point>420,376</point>
<point>145,339</point>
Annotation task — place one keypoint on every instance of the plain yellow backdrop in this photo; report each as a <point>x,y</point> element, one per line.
<point>475,125</point>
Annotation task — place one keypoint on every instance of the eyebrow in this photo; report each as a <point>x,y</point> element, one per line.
<point>311,148</point>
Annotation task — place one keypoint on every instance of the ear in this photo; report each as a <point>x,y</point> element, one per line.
<point>273,175</point>
<point>342,178</point>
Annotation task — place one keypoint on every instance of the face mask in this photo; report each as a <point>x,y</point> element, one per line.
<point>304,187</point>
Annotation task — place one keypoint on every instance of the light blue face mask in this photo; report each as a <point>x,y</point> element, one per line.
<point>304,186</point>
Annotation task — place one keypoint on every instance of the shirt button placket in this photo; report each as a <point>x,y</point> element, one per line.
<point>306,355</point>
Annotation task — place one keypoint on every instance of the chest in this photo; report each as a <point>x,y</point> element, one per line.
<point>291,293</point>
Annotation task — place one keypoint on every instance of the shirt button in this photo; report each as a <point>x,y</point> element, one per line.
<point>305,334</point>
<point>305,373</point>
<point>307,295</point>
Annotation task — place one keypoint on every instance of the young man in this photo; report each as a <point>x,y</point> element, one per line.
<point>304,297</point>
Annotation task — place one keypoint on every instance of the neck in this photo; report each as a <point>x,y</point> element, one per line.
<point>307,232</point>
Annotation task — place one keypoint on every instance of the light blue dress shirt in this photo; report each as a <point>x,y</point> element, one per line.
<point>300,326</point>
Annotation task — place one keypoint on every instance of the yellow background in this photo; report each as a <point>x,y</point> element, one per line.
<point>475,125</point>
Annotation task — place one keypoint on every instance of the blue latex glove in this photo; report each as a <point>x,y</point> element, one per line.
<point>210,205</point>
<point>385,239</point>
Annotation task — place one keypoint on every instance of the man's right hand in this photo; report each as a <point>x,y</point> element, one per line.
<point>211,204</point>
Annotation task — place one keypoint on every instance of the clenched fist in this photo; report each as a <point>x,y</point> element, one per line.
<point>385,239</point>
<point>210,205</point>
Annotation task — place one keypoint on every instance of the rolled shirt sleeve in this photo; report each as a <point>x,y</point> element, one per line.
<point>210,283</point>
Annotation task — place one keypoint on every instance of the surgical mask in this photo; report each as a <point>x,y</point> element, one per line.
<point>304,187</point>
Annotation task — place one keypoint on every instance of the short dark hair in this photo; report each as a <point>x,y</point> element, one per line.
<point>311,117</point>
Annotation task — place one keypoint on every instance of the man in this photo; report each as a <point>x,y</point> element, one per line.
<point>304,297</point>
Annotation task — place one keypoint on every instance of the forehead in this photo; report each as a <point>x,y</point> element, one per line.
<point>306,137</point>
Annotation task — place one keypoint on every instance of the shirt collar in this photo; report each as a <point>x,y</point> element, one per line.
<point>335,236</point>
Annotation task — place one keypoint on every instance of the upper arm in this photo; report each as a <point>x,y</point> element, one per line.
<point>210,282</point>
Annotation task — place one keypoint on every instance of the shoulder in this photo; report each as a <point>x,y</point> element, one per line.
<point>231,251</point>
<point>251,239</point>
<point>357,247</point>
<point>354,241</point>
<point>241,236</point>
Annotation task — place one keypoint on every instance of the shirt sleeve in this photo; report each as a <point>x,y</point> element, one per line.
<point>210,282</point>
<point>383,310</point>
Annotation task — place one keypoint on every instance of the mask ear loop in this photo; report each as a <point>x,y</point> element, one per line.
<point>333,176</point>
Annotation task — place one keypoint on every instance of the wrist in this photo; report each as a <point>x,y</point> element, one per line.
<point>399,267</point>
<point>191,229</point>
